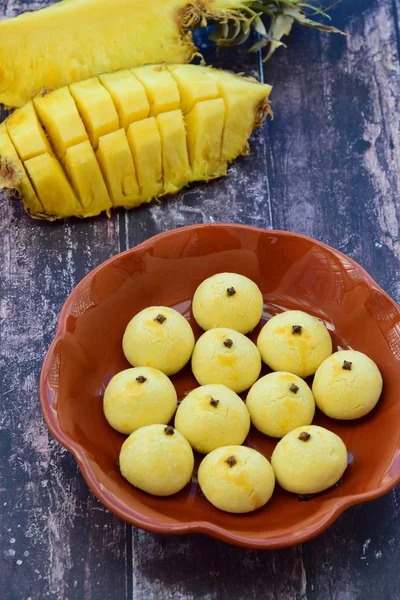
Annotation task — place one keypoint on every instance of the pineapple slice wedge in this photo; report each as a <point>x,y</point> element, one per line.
<point>13,176</point>
<point>52,187</point>
<point>160,87</point>
<point>58,114</point>
<point>194,84</point>
<point>84,172</point>
<point>205,126</point>
<point>116,162</point>
<point>175,160</point>
<point>96,108</point>
<point>129,96</point>
<point>239,123</point>
<point>145,144</point>
<point>128,137</point>
<point>26,133</point>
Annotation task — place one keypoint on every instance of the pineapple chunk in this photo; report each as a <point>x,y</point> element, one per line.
<point>87,180</point>
<point>205,125</point>
<point>176,169</point>
<point>118,169</point>
<point>52,187</point>
<point>59,115</point>
<point>26,133</point>
<point>242,98</point>
<point>160,87</point>
<point>129,96</point>
<point>13,175</point>
<point>194,84</point>
<point>96,108</point>
<point>145,144</point>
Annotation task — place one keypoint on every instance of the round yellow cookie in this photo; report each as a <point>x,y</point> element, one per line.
<point>228,300</point>
<point>236,479</point>
<point>212,416</point>
<point>309,459</point>
<point>225,356</point>
<point>138,397</point>
<point>280,402</point>
<point>158,337</point>
<point>347,385</point>
<point>157,459</point>
<point>294,341</point>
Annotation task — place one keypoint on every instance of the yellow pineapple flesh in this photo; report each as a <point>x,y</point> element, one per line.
<point>176,169</point>
<point>26,133</point>
<point>96,108</point>
<point>126,138</point>
<point>243,98</point>
<point>160,87</point>
<point>13,176</point>
<point>116,162</point>
<point>194,85</point>
<point>129,96</point>
<point>145,144</point>
<point>58,114</point>
<point>205,126</point>
<point>84,172</point>
<point>52,187</point>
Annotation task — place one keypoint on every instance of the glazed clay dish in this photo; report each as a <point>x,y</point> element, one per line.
<point>293,272</point>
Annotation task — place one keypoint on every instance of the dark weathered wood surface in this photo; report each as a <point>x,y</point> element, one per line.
<point>328,166</point>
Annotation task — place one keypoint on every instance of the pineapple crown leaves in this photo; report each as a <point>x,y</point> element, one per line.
<point>233,26</point>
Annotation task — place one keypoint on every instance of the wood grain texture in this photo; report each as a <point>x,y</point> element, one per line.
<point>328,166</point>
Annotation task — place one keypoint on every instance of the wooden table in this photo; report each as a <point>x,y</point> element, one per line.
<point>328,166</point>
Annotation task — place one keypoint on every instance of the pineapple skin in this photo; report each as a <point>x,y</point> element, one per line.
<point>75,40</point>
<point>129,140</point>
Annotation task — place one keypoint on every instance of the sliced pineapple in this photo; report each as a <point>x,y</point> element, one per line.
<point>243,101</point>
<point>205,126</point>
<point>129,96</point>
<point>13,176</point>
<point>52,187</point>
<point>160,87</point>
<point>116,162</point>
<point>26,133</point>
<point>59,115</point>
<point>85,174</point>
<point>145,144</point>
<point>194,84</point>
<point>125,138</point>
<point>175,160</point>
<point>96,108</point>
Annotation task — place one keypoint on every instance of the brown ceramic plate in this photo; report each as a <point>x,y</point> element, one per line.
<point>292,271</point>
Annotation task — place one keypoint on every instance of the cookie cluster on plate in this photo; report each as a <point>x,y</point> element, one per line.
<point>213,420</point>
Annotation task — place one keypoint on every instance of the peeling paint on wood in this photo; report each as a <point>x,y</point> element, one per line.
<point>327,166</point>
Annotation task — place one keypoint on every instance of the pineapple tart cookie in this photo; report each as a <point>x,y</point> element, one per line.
<point>158,337</point>
<point>212,416</point>
<point>347,385</point>
<point>236,479</point>
<point>309,459</point>
<point>280,402</point>
<point>157,459</point>
<point>228,300</point>
<point>228,357</point>
<point>138,397</point>
<point>294,341</point>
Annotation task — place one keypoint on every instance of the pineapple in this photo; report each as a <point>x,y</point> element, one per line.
<point>118,168</point>
<point>126,138</point>
<point>75,40</point>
